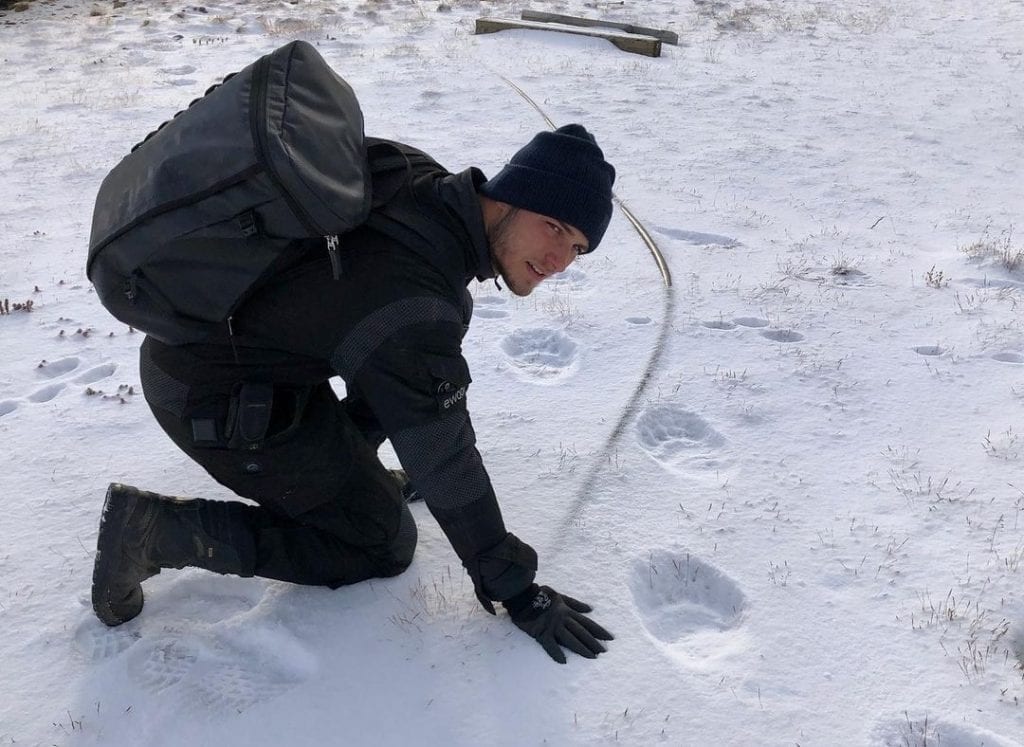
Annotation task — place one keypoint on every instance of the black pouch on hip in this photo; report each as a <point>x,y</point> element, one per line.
<point>249,415</point>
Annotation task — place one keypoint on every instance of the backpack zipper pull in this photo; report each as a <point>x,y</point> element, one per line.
<point>332,252</point>
<point>231,337</point>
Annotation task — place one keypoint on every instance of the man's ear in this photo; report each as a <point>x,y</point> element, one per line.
<point>493,210</point>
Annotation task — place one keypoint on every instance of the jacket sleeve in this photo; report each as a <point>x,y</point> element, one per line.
<point>405,359</point>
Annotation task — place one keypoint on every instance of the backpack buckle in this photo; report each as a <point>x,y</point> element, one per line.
<point>130,288</point>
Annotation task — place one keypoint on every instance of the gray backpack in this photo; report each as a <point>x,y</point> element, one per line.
<point>210,205</point>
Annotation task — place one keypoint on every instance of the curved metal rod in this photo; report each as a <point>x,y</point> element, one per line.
<point>530,101</point>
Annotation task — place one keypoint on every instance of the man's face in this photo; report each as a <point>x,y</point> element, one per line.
<point>527,247</point>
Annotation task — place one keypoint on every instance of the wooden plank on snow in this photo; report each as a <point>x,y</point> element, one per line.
<point>668,37</point>
<point>635,43</point>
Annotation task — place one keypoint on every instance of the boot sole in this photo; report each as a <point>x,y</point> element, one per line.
<point>111,536</point>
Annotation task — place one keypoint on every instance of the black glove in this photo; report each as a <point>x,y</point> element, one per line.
<point>554,619</point>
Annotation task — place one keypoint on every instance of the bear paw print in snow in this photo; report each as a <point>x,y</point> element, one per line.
<point>678,438</point>
<point>688,606</point>
<point>489,307</point>
<point>923,728</point>
<point>540,353</point>
<point>782,335</point>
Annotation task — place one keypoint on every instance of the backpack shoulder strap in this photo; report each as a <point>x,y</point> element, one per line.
<point>405,205</point>
<point>394,165</point>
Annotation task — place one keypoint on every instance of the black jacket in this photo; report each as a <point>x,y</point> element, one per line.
<point>391,326</point>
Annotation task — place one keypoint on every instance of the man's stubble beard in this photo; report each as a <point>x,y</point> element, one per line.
<point>497,238</point>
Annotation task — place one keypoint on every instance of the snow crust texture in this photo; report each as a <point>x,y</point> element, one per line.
<point>807,528</point>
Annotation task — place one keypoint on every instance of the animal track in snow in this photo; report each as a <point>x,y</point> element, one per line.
<point>688,605</point>
<point>53,369</point>
<point>490,313</point>
<point>180,70</point>
<point>136,59</point>
<point>923,729</point>
<point>677,437</point>
<point>59,370</point>
<point>850,276</point>
<point>751,321</point>
<point>1008,357</point>
<point>571,278</point>
<point>65,107</point>
<point>719,324</point>
<point>96,642</point>
<point>698,237</point>
<point>490,301</point>
<point>96,373</point>
<point>678,594</point>
<point>929,350</point>
<point>544,353</point>
<point>47,393</point>
<point>782,335</point>
<point>995,283</point>
<point>638,320</point>
<point>489,307</point>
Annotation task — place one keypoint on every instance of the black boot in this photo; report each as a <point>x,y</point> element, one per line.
<point>409,493</point>
<point>142,532</point>
<point>404,546</point>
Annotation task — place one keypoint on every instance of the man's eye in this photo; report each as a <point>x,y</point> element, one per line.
<point>555,227</point>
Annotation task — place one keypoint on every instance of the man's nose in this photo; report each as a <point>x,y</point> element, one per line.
<point>560,258</point>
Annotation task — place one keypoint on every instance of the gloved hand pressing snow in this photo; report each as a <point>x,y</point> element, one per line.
<point>556,620</point>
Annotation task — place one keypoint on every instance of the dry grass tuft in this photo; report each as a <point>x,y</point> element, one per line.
<point>997,251</point>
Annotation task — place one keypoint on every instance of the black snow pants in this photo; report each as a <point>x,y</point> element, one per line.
<point>329,512</point>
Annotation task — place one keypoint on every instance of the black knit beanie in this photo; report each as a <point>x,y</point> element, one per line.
<point>563,175</point>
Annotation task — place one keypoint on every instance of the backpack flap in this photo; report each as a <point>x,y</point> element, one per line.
<point>312,128</point>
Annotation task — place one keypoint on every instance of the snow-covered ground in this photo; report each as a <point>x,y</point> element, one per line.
<point>808,530</point>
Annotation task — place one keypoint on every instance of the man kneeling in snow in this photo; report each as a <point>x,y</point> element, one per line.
<point>257,411</point>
